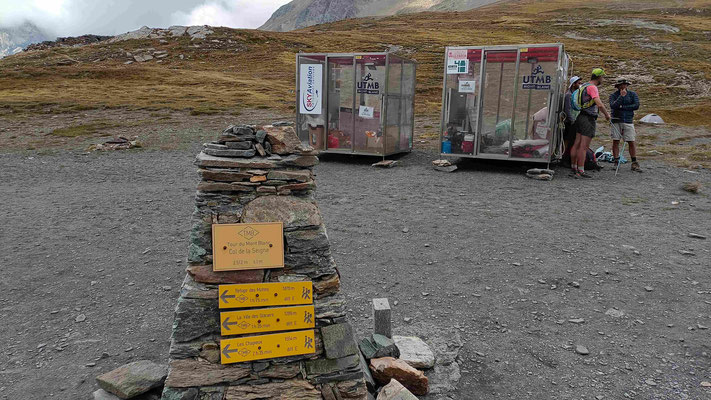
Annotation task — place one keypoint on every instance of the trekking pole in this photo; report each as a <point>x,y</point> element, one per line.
<point>619,159</point>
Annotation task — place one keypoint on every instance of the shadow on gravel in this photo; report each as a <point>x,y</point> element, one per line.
<point>356,159</point>
<point>498,166</point>
<point>423,159</point>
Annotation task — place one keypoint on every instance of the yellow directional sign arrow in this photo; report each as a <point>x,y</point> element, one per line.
<point>267,320</point>
<point>267,346</point>
<point>266,294</point>
<point>226,351</point>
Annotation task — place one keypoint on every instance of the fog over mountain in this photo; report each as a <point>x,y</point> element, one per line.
<point>15,38</point>
<point>302,13</point>
<point>79,17</point>
<point>23,22</point>
<point>31,21</point>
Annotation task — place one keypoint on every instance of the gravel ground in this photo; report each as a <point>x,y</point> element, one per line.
<point>92,252</point>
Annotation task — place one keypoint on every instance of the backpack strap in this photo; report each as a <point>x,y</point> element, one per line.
<point>588,103</point>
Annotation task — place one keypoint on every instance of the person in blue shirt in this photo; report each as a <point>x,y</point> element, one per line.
<point>623,104</point>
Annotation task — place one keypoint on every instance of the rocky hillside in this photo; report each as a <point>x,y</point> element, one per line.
<point>303,13</point>
<point>14,39</point>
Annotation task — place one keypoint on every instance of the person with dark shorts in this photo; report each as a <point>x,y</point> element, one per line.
<point>586,123</point>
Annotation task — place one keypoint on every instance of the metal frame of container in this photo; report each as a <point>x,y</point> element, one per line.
<point>555,101</point>
<point>385,95</point>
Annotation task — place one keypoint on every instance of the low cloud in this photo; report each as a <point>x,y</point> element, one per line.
<point>103,17</point>
<point>235,14</point>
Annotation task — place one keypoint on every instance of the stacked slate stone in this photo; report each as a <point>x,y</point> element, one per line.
<point>261,174</point>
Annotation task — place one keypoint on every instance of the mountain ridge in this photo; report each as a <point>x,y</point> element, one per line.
<point>14,38</point>
<point>304,13</point>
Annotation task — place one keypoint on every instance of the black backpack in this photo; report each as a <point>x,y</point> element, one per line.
<point>590,160</point>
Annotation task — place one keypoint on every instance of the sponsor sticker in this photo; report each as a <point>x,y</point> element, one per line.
<point>537,80</point>
<point>311,86</point>
<point>457,66</point>
<point>366,112</point>
<point>369,85</point>
<point>467,86</point>
<point>457,54</point>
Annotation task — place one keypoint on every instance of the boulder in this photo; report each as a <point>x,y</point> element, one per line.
<point>224,187</point>
<point>226,138</point>
<point>215,146</point>
<point>324,366</point>
<point>395,391</point>
<point>223,176</point>
<point>133,379</point>
<point>278,371</point>
<point>369,381</point>
<point>367,348</point>
<point>450,168</point>
<point>243,130</point>
<point>182,394</point>
<point>286,390</point>
<point>208,161</point>
<point>261,135</point>
<point>230,153</point>
<point>196,372</point>
<point>205,274</point>
<point>260,149</point>
<point>387,368</point>
<point>352,389</point>
<point>238,145</point>
<point>177,30</point>
<point>195,318</point>
<point>102,394</point>
<point>283,139</point>
<point>338,341</point>
<point>199,32</point>
<point>142,57</point>
<point>540,177</point>
<point>385,164</point>
<point>299,176</point>
<point>327,286</point>
<point>294,212</point>
<point>385,346</point>
<point>377,346</point>
<point>415,352</point>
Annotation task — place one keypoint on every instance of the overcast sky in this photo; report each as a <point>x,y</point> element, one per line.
<point>110,17</point>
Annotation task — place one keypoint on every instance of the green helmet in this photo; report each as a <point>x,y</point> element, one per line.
<point>598,72</point>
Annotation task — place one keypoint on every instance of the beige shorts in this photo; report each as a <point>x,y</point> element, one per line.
<point>625,131</point>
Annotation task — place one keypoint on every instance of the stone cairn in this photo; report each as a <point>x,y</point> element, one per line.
<point>257,174</point>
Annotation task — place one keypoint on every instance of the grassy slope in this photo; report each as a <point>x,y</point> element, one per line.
<point>255,69</point>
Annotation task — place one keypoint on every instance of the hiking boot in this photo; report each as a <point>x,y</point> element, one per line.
<point>583,174</point>
<point>636,167</point>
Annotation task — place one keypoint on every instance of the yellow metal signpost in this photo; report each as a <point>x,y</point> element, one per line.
<point>258,246</point>
<point>267,320</point>
<point>267,346</point>
<point>238,247</point>
<point>266,294</point>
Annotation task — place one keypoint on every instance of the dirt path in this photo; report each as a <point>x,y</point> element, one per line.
<point>484,251</point>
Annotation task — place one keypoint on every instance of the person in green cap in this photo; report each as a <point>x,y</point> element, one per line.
<point>586,123</point>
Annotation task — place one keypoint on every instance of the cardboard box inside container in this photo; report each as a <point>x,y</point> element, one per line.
<point>316,137</point>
